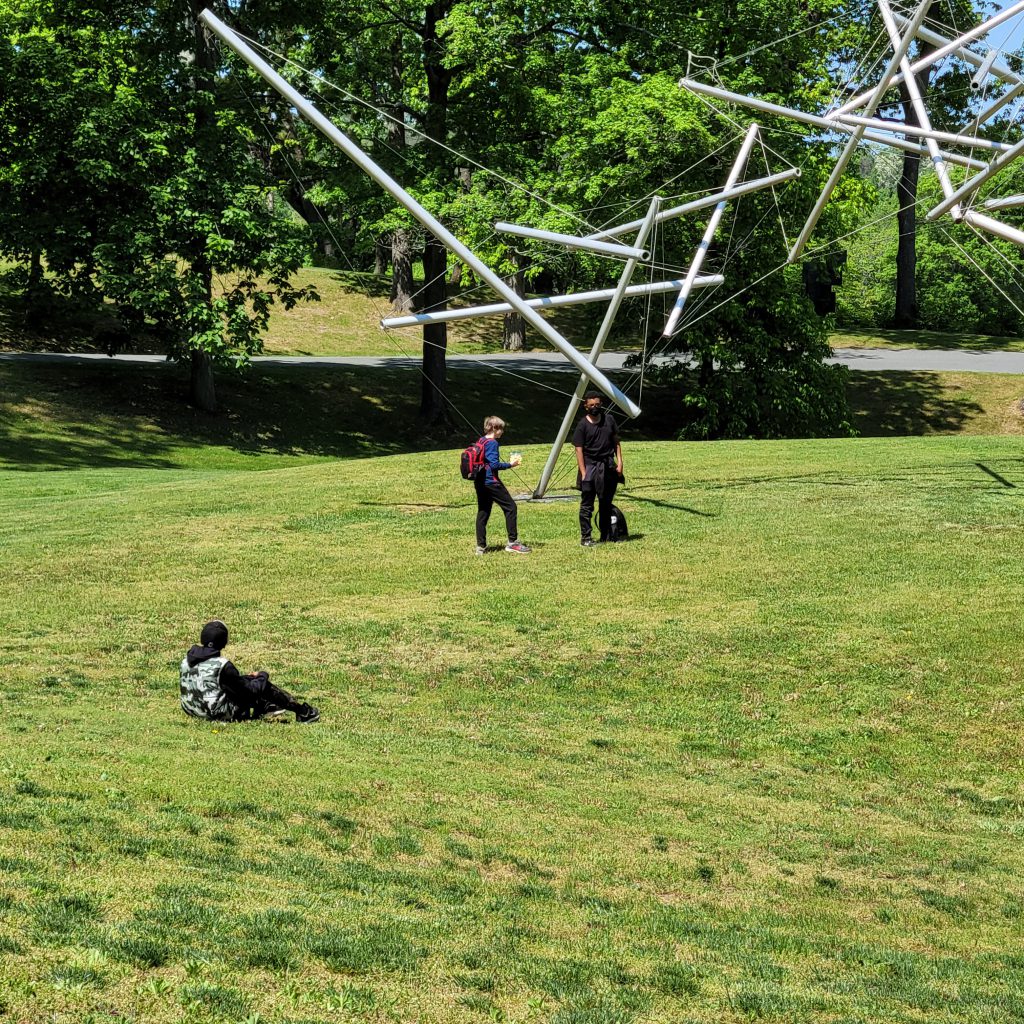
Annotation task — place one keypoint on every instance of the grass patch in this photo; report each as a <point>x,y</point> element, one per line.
<point>881,337</point>
<point>762,763</point>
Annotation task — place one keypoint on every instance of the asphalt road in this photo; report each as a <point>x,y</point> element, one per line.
<point>871,359</point>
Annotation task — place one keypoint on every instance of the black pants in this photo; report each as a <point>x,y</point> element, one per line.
<point>257,695</point>
<point>600,485</point>
<point>487,496</point>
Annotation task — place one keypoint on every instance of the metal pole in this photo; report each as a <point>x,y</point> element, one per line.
<point>703,203</point>
<point>606,326</point>
<point>994,227</point>
<point>361,160</point>
<point>829,123</point>
<point>854,141</point>
<point>572,241</point>
<point>1004,204</point>
<point>709,232</point>
<point>998,68</point>
<point>980,76</point>
<point>946,47</point>
<point>928,133</point>
<point>971,184</point>
<point>917,102</point>
<point>993,108</point>
<point>575,299</point>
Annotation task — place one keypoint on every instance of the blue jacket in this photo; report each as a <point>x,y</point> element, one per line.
<point>494,463</point>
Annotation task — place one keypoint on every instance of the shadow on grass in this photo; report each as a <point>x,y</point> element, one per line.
<point>907,403</point>
<point>112,414</point>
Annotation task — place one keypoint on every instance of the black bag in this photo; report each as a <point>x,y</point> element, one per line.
<point>619,530</point>
<point>473,462</point>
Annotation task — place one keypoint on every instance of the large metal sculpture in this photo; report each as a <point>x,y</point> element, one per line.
<point>855,119</point>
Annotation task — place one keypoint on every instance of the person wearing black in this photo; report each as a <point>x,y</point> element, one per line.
<point>212,688</point>
<point>599,458</point>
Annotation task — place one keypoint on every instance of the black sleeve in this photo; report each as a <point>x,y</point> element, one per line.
<point>579,436</point>
<point>615,429</point>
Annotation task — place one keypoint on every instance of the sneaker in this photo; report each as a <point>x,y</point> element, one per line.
<point>306,713</point>
<point>274,713</point>
<point>588,542</point>
<point>517,548</point>
<point>481,550</point>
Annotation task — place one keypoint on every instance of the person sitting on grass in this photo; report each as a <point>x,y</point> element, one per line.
<point>212,688</point>
<point>490,491</point>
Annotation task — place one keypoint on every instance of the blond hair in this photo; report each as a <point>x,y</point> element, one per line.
<point>493,423</point>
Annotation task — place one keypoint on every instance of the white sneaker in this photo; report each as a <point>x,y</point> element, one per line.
<point>480,550</point>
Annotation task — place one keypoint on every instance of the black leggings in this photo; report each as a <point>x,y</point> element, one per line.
<point>255,696</point>
<point>487,496</point>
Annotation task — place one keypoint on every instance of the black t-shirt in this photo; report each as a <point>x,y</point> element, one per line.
<point>598,440</point>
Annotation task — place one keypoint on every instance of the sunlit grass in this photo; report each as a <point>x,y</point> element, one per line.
<point>760,763</point>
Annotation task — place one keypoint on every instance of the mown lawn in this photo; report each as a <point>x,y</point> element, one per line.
<point>763,762</point>
<point>880,337</point>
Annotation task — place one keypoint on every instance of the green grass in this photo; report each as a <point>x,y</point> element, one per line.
<point>760,763</point>
<point>879,337</point>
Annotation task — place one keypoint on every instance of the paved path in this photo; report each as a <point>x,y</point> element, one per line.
<point>908,359</point>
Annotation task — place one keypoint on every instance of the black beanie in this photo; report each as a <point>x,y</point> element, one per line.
<point>215,635</point>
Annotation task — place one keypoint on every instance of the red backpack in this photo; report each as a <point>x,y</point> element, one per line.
<point>472,463</point>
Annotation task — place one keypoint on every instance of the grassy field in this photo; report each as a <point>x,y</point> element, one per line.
<point>763,762</point>
<point>882,338</point>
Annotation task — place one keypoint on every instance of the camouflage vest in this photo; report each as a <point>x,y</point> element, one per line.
<point>201,695</point>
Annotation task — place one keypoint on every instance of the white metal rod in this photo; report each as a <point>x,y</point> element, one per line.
<point>971,184</point>
<point>998,68</point>
<point>572,241</point>
<point>981,75</point>
<point>431,223</point>
<point>599,342</point>
<point>928,133</point>
<point>1004,204</point>
<point>917,102</point>
<point>992,109</point>
<point>575,299</point>
<point>854,141</point>
<point>994,227</point>
<point>829,123</point>
<point>946,47</point>
<point>709,233</point>
<point>703,203</point>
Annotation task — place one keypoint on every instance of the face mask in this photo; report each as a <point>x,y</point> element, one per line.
<point>594,410</point>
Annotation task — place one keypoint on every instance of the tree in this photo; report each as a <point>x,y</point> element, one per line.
<point>151,164</point>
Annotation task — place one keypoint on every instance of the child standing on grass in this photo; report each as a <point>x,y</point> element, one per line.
<point>212,688</point>
<point>490,491</point>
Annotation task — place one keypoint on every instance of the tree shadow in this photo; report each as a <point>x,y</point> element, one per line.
<point>100,413</point>
<point>907,403</point>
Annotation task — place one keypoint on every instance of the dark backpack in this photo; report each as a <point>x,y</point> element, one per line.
<point>619,529</point>
<point>472,462</point>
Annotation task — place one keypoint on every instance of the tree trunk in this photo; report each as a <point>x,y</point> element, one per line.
<point>433,403</point>
<point>513,337</point>
<point>433,406</point>
<point>905,313</point>
<point>381,257</point>
<point>402,289</point>
<point>203,394</point>
<point>455,277</point>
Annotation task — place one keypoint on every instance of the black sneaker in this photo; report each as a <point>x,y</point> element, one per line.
<point>589,542</point>
<point>306,713</point>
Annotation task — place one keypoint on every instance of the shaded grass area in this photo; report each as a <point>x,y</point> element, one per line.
<point>82,415</point>
<point>762,764</point>
<point>94,414</point>
<point>880,337</point>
